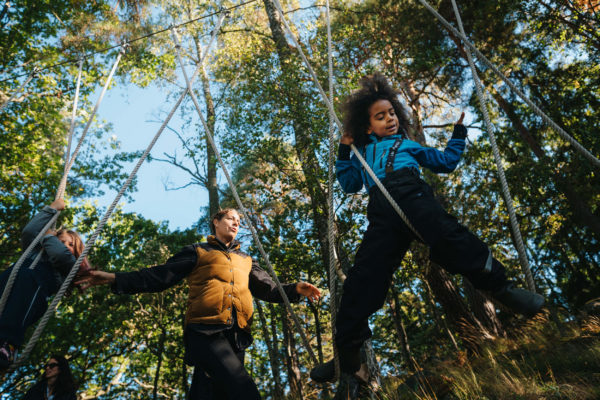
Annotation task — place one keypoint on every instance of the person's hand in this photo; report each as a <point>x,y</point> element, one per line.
<point>51,232</point>
<point>347,139</point>
<point>308,290</point>
<point>58,204</point>
<point>460,120</point>
<point>95,278</point>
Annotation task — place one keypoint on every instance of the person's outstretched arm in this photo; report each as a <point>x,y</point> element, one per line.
<point>147,280</point>
<point>447,160</point>
<point>263,287</point>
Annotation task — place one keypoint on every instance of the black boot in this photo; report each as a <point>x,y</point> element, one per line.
<point>519,300</point>
<point>349,363</point>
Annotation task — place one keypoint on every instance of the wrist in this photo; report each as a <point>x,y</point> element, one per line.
<point>344,151</point>
<point>460,132</point>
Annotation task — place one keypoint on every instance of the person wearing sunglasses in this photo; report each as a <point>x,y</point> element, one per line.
<point>56,382</point>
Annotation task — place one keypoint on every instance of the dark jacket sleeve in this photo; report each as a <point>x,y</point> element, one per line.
<point>348,170</point>
<point>59,256</point>
<point>36,224</point>
<point>443,161</point>
<point>263,287</point>
<point>158,278</point>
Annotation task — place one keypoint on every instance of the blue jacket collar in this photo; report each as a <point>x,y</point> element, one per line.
<point>375,139</point>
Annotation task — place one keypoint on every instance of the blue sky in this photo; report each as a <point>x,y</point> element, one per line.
<point>135,114</point>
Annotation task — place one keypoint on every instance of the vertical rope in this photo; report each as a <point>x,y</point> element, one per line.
<point>73,114</point>
<point>20,88</point>
<point>514,224</point>
<point>329,106</point>
<point>241,205</point>
<point>514,88</point>
<point>331,213</point>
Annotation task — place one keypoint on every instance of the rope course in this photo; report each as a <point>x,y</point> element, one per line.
<point>580,148</point>
<point>514,224</point>
<point>91,241</point>
<point>241,205</point>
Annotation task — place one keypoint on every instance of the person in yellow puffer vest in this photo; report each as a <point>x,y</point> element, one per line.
<point>222,282</point>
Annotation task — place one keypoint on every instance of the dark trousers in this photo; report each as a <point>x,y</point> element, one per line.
<point>385,243</point>
<point>219,371</point>
<point>27,301</point>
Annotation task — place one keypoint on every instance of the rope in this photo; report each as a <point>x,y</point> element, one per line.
<point>128,42</point>
<point>73,114</point>
<point>16,92</point>
<point>63,181</point>
<point>515,89</point>
<point>240,204</point>
<point>331,213</point>
<point>91,241</point>
<point>505,189</point>
<point>329,105</point>
<point>59,194</point>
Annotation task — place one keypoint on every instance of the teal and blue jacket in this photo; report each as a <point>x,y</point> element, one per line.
<point>352,176</point>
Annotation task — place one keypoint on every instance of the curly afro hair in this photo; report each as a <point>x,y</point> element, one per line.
<point>356,107</point>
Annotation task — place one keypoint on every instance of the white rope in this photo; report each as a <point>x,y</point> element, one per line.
<point>329,105</point>
<point>59,194</point>
<point>91,241</point>
<point>514,88</point>
<point>16,92</point>
<point>331,210</point>
<point>240,204</point>
<point>505,189</point>
<point>63,181</point>
<point>73,114</point>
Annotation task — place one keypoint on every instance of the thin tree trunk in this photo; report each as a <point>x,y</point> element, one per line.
<point>277,389</point>
<point>211,160</point>
<point>396,313</point>
<point>441,321</point>
<point>160,351</point>
<point>294,377</point>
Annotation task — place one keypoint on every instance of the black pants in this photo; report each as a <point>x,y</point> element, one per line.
<point>388,238</point>
<point>27,300</point>
<point>219,372</point>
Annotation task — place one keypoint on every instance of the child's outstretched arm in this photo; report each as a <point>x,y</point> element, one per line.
<point>447,160</point>
<point>348,170</point>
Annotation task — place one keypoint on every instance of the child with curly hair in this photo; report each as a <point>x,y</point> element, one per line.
<point>377,124</point>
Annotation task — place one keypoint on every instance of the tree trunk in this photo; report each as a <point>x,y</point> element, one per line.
<point>483,309</point>
<point>277,390</point>
<point>211,159</point>
<point>305,150</point>
<point>292,364</point>
<point>159,353</point>
<point>396,313</point>
<point>469,329</point>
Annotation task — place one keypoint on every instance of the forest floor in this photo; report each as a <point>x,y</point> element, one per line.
<point>538,360</point>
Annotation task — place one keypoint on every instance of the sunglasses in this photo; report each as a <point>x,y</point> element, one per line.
<point>51,365</point>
